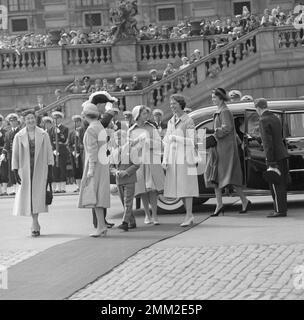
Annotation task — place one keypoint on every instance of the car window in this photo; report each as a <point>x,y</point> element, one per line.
<point>295,123</point>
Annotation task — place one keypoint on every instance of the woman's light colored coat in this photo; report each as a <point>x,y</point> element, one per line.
<point>95,147</point>
<point>21,161</point>
<point>180,157</point>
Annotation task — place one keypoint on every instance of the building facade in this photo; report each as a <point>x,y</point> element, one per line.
<point>40,16</point>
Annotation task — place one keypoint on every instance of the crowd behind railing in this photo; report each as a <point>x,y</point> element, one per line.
<point>232,27</point>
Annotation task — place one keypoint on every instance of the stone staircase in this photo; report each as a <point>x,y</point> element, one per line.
<point>252,64</point>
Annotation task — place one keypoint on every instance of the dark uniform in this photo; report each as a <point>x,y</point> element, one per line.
<point>75,143</point>
<point>59,173</point>
<point>4,163</point>
<point>276,156</point>
<point>7,151</point>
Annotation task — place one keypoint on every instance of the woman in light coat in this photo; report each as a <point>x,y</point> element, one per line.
<point>180,157</point>
<point>150,176</point>
<point>229,166</point>
<point>32,161</point>
<point>96,167</point>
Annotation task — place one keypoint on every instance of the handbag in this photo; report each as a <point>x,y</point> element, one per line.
<point>88,194</point>
<point>48,194</point>
<point>210,142</point>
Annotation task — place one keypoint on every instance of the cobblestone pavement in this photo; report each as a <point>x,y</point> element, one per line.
<point>252,272</point>
<point>12,257</point>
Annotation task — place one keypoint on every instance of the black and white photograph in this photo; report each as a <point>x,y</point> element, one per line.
<point>152,152</point>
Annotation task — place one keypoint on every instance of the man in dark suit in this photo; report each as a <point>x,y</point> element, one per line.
<point>59,137</point>
<point>121,87</point>
<point>276,155</point>
<point>7,149</point>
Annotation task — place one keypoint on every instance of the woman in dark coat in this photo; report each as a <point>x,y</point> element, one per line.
<point>229,166</point>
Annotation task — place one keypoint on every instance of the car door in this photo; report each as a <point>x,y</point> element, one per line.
<point>255,159</point>
<point>208,125</point>
<point>294,138</point>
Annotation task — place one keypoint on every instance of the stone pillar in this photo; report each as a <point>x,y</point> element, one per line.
<point>197,43</point>
<point>133,100</point>
<point>124,56</point>
<point>267,41</point>
<point>54,61</point>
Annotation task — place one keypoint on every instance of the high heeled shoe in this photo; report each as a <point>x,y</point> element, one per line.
<point>98,234</point>
<point>188,222</point>
<point>247,207</point>
<point>220,210</point>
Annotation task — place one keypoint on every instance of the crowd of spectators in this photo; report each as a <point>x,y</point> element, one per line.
<point>232,27</point>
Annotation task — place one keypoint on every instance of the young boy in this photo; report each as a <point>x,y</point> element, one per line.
<point>125,172</point>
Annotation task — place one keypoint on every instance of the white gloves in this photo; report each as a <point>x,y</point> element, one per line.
<point>56,153</point>
<point>2,157</point>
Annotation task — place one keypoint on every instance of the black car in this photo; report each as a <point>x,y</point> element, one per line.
<point>252,156</point>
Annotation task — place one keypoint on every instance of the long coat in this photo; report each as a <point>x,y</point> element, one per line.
<point>180,157</point>
<point>150,175</point>
<point>21,161</point>
<point>229,165</point>
<point>95,145</point>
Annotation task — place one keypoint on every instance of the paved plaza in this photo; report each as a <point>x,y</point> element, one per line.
<point>227,257</point>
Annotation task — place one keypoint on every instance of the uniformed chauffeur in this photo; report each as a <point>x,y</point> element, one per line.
<point>6,154</point>
<point>75,146</point>
<point>3,164</point>
<point>48,123</point>
<point>160,125</point>
<point>276,155</point>
<point>59,169</point>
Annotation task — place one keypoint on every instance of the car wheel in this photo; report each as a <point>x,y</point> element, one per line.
<point>169,205</point>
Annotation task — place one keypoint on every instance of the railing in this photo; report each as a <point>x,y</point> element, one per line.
<point>210,66</point>
<point>290,37</point>
<point>162,49</point>
<point>87,55</point>
<point>30,59</point>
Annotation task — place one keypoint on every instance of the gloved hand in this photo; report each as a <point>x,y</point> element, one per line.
<point>2,157</point>
<point>50,174</point>
<point>17,177</point>
<point>55,153</point>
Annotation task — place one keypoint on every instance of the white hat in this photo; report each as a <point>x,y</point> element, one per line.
<point>57,114</point>
<point>76,117</point>
<point>127,112</point>
<point>247,98</point>
<point>90,108</point>
<point>153,70</point>
<point>136,111</point>
<point>11,116</point>
<point>47,118</point>
<point>155,111</point>
<point>234,93</point>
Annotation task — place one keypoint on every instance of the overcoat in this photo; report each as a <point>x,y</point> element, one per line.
<point>180,157</point>
<point>150,175</point>
<point>95,146</point>
<point>229,165</point>
<point>21,161</point>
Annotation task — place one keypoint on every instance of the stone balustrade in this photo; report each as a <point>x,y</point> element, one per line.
<point>87,55</point>
<point>128,56</point>
<point>290,37</point>
<point>30,59</point>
